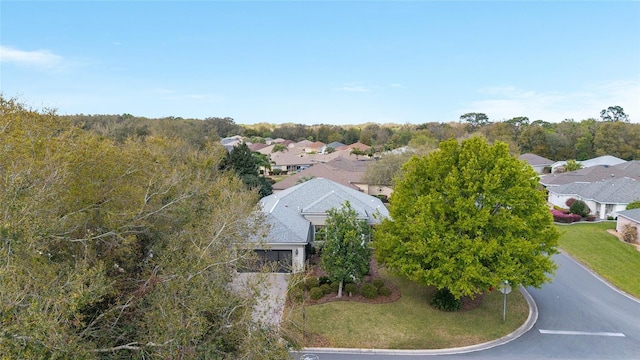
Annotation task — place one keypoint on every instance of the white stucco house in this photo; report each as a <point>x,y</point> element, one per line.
<point>629,218</point>
<point>605,198</point>
<point>295,214</point>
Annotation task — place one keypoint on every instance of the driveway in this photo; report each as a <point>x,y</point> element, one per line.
<point>272,288</point>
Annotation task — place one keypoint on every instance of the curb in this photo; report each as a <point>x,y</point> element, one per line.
<point>597,276</point>
<point>528,324</point>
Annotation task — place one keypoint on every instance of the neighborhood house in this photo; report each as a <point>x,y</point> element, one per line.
<point>295,215</point>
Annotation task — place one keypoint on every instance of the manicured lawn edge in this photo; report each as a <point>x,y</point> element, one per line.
<point>615,261</point>
<point>411,323</point>
<point>526,326</point>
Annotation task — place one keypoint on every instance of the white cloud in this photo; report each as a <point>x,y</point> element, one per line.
<point>506,102</point>
<point>351,88</point>
<point>39,58</point>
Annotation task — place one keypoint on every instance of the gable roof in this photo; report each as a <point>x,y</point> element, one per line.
<point>535,160</point>
<point>302,143</point>
<point>344,171</point>
<point>335,144</point>
<point>633,214</point>
<point>630,169</point>
<point>614,191</point>
<point>358,145</point>
<point>600,160</point>
<point>285,210</point>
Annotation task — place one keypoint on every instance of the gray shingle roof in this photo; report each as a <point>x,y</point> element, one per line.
<point>633,214</point>
<point>630,169</point>
<point>535,160</point>
<point>285,209</point>
<point>614,191</point>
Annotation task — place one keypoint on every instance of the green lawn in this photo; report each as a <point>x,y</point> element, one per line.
<point>411,323</point>
<point>611,258</point>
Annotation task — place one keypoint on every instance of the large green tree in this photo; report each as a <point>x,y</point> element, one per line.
<point>613,114</point>
<point>467,217</point>
<point>120,250</point>
<point>475,120</point>
<point>345,254</point>
<point>246,165</point>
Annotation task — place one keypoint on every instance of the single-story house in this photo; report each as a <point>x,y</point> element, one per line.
<point>334,145</point>
<point>630,169</point>
<point>343,170</point>
<point>628,218</point>
<point>604,198</point>
<point>540,165</point>
<point>295,214</point>
<point>606,160</point>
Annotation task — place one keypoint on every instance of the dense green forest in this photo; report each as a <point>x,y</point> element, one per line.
<point>612,134</point>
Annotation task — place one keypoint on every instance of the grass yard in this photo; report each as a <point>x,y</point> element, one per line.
<point>410,323</point>
<point>611,258</point>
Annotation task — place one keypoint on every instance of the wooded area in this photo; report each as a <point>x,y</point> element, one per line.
<point>121,249</point>
<point>612,134</point>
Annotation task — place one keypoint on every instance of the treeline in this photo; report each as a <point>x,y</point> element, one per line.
<point>613,134</point>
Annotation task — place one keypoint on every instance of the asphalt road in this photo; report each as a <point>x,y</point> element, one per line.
<point>580,317</point>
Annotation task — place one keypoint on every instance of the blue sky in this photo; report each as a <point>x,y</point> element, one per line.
<point>331,62</point>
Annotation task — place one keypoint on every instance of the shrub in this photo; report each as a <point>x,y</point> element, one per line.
<point>378,283</point>
<point>579,207</point>
<point>296,295</point>
<point>633,205</point>
<point>630,234</point>
<point>384,291</point>
<point>335,286</point>
<point>351,289</point>
<point>316,293</point>
<point>561,217</point>
<point>591,218</point>
<point>326,289</point>
<point>324,280</point>
<point>445,301</point>
<point>311,283</point>
<point>369,291</point>
<point>556,207</point>
<point>570,202</point>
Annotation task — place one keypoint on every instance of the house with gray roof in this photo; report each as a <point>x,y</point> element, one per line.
<point>605,198</point>
<point>629,219</point>
<point>630,169</point>
<point>334,145</point>
<point>295,214</point>
<point>539,164</point>
<point>608,160</point>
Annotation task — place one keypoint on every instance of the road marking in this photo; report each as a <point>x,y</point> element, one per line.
<point>309,357</point>
<point>564,332</point>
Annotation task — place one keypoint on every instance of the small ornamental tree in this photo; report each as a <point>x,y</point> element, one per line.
<point>572,165</point>
<point>346,253</point>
